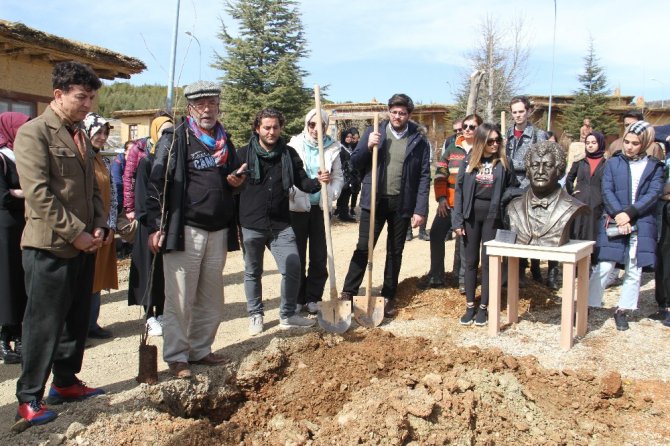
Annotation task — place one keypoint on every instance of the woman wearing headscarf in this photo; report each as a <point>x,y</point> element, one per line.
<point>142,265</point>
<point>588,173</point>
<point>632,184</point>
<point>306,212</point>
<point>12,287</point>
<point>349,173</point>
<point>105,277</point>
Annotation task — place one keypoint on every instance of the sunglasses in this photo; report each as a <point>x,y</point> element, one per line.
<point>311,125</point>
<point>469,127</point>
<point>492,141</point>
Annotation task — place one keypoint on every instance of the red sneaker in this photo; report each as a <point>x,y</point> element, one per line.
<point>35,412</point>
<point>76,392</point>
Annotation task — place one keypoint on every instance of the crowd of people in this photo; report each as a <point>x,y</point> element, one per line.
<point>184,197</point>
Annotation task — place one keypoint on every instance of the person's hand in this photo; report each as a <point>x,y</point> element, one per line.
<point>85,242</point>
<point>324,177</point>
<point>460,231</point>
<point>373,139</point>
<point>625,229</point>
<point>621,219</point>
<point>418,220</point>
<point>131,216</point>
<point>16,193</point>
<point>155,241</point>
<point>443,208</point>
<point>109,239</point>
<point>236,178</point>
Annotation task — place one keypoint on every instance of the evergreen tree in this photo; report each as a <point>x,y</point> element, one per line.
<point>261,66</point>
<point>591,100</point>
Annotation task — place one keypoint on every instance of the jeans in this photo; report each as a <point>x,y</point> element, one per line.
<point>630,290</point>
<point>395,244</point>
<point>478,230</point>
<point>438,233</point>
<point>283,247</point>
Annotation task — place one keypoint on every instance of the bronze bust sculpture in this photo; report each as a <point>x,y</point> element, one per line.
<point>543,214</point>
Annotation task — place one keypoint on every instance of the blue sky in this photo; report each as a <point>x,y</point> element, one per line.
<point>364,49</point>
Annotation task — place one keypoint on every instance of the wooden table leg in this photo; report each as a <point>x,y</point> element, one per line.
<point>568,305</point>
<point>582,294</point>
<point>512,289</point>
<point>495,280</point>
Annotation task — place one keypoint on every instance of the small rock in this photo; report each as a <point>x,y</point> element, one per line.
<point>510,362</point>
<point>521,427</point>
<point>56,439</point>
<point>74,430</point>
<point>432,380</point>
<point>611,385</point>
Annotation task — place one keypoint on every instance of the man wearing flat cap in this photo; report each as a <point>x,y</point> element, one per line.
<point>190,217</point>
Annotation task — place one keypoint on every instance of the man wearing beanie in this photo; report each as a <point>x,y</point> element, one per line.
<point>65,226</point>
<point>194,225</point>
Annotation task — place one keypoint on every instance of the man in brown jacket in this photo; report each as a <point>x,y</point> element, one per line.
<point>65,225</point>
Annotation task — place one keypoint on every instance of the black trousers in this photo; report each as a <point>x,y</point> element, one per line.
<point>55,323</point>
<point>438,233</point>
<point>309,226</point>
<point>478,230</point>
<point>662,272</point>
<point>396,226</point>
<point>343,200</point>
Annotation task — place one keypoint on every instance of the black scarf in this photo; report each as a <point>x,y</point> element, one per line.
<point>256,151</point>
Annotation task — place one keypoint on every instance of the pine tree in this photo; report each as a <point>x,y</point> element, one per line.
<point>591,100</point>
<point>261,66</point>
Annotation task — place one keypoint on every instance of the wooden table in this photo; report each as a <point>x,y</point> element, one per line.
<point>575,256</point>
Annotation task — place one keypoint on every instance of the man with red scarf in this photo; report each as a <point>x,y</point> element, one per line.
<point>190,217</point>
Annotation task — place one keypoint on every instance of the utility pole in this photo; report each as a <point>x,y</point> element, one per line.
<point>553,62</point>
<point>173,61</point>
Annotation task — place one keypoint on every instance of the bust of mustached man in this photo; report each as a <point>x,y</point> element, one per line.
<point>544,213</point>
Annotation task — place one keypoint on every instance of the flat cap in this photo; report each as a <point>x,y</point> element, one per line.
<point>201,89</point>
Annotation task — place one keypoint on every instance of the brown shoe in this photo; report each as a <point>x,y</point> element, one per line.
<point>180,370</point>
<point>211,359</point>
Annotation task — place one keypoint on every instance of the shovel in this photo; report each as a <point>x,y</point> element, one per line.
<point>334,315</point>
<point>368,310</point>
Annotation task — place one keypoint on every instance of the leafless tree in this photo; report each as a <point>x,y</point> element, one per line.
<point>502,54</point>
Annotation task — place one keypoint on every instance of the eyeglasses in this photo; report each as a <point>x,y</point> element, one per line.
<point>402,114</point>
<point>458,130</point>
<point>492,141</point>
<point>202,106</point>
<point>470,127</point>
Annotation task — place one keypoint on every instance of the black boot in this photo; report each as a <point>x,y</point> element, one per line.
<point>535,270</point>
<point>409,236</point>
<point>552,278</point>
<point>8,355</point>
<point>423,235</point>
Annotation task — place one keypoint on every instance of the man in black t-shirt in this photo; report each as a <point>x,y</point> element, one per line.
<point>196,166</point>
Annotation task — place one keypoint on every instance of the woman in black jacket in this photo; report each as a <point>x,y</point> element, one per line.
<point>481,182</point>
<point>589,174</point>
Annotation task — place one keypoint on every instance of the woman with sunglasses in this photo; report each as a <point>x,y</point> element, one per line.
<point>444,186</point>
<point>482,179</point>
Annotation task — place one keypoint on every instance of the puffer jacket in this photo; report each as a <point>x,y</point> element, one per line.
<point>616,190</point>
<point>299,200</point>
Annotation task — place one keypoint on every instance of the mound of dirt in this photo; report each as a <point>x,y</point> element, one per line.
<point>370,387</point>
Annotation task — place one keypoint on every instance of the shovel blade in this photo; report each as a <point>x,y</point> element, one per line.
<point>369,311</point>
<point>335,315</point>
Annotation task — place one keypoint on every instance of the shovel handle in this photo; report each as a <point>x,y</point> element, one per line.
<point>325,205</point>
<point>373,208</point>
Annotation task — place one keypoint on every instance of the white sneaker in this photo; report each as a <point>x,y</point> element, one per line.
<point>296,321</point>
<point>256,324</point>
<point>155,328</point>
<point>312,307</point>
